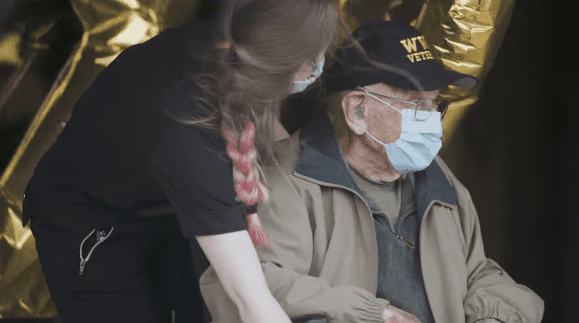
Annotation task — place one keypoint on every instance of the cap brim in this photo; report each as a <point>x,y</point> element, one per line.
<point>446,78</point>
<point>338,78</point>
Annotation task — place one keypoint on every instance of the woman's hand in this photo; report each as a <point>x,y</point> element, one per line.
<point>235,261</point>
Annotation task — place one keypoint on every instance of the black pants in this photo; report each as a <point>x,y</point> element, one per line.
<point>141,271</point>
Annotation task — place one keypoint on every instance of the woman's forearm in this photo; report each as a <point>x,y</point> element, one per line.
<point>237,265</point>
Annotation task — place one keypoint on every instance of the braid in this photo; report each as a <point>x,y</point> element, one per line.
<point>248,186</point>
<point>246,77</point>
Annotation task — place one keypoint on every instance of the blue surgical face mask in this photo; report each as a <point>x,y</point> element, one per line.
<point>419,142</point>
<point>299,86</point>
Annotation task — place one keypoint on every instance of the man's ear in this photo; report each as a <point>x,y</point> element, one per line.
<point>354,112</point>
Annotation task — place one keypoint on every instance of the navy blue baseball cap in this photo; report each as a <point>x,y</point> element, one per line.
<point>399,51</point>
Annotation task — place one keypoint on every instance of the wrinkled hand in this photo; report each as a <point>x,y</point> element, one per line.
<point>396,315</point>
<point>489,320</point>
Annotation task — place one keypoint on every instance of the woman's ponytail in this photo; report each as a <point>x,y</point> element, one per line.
<point>246,177</point>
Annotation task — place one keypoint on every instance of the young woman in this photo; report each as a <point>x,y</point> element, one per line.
<point>169,138</point>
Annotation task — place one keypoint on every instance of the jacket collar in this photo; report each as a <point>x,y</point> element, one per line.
<point>322,160</point>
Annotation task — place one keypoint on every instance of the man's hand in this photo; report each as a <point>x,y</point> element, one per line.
<point>488,320</point>
<point>396,315</point>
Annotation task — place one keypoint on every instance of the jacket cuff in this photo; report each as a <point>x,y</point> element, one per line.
<point>484,318</point>
<point>375,310</point>
<point>491,314</point>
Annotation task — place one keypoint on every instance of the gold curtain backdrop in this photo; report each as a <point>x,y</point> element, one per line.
<point>464,34</point>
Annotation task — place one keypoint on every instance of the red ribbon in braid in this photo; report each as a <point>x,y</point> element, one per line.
<point>246,178</point>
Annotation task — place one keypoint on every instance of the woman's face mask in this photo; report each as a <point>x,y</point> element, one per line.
<point>317,68</point>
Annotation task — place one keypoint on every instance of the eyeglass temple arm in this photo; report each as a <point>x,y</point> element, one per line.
<point>378,99</point>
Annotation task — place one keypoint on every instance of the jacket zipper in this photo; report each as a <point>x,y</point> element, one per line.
<point>296,174</point>
<point>409,244</point>
<point>406,242</point>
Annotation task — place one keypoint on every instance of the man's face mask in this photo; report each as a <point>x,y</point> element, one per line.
<point>299,86</point>
<point>419,142</point>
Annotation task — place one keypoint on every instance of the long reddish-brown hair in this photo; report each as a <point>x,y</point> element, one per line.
<point>267,41</point>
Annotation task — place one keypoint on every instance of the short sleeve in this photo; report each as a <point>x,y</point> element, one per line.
<point>190,165</point>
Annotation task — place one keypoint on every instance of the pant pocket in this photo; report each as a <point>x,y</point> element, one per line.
<point>89,244</point>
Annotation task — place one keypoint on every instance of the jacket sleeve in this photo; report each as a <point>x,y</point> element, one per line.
<point>491,293</point>
<point>287,266</point>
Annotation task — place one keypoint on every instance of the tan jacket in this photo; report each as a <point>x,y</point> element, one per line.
<point>323,257</point>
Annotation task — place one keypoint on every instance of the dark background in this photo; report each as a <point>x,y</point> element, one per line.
<point>519,159</point>
<point>518,155</point>
<point>516,151</point>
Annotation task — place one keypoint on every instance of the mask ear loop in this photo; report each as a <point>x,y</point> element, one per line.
<point>363,110</point>
<point>360,88</point>
<point>380,142</point>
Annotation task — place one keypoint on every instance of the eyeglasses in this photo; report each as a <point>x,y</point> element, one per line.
<point>422,108</point>
<point>316,71</point>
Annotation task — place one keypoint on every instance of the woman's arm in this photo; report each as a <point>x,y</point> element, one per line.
<point>235,261</point>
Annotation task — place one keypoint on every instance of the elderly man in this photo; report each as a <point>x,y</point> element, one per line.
<point>366,223</point>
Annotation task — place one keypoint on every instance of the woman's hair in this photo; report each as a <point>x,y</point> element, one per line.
<point>264,43</point>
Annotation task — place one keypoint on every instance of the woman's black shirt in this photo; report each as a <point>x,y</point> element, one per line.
<point>121,157</point>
